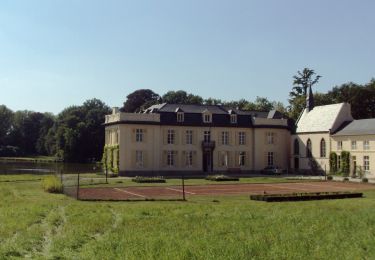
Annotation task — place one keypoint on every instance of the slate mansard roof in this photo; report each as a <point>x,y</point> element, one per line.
<point>166,114</point>
<point>357,127</point>
<point>213,109</point>
<point>326,118</point>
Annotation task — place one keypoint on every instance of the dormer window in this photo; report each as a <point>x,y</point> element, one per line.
<point>207,118</point>
<point>233,119</point>
<point>180,117</point>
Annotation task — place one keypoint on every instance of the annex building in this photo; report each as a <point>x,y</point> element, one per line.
<point>171,139</point>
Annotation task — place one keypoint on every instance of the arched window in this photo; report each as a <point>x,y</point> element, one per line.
<point>322,148</point>
<point>308,149</point>
<point>296,147</point>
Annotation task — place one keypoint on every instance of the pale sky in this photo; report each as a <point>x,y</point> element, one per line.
<point>59,53</point>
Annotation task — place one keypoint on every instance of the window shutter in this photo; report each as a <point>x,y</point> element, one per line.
<point>132,158</point>
<point>176,137</point>
<point>133,135</point>
<point>176,158</point>
<point>195,161</point>
<point>265,138</point>
<point>165,136</point>
<point>237,159</point>
<point>183,159</point>
<point>145,135</point>
<point>164,159</point>
<point>247,161</point>
<point>236,138</point>
<point>265,159</point>
<point>145,159</point>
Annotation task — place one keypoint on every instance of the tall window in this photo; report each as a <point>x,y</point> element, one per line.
<point>366,163</point>
<point>225,138</point>
<point>139,135</point>
<point>366,145</point>
<point>224,158</point>
<point>270,159</point>
<point>296,147</point>
<point>233,119</point>
<point>354,145</point>
<point>180,117</point>
<point>170,138</point>
<point>189,158</point>
<point>207,136</point>
<point>339,145</point>
<point>241,138</point>
<point>270,138</point>
<point>242,159</point>
<point>308,149</point>
<point>139,158</point>
<point>170,158</point>
<point>322,148</point>
<point>189,137</point>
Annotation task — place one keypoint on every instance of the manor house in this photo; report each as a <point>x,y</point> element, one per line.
<point>171,139</point>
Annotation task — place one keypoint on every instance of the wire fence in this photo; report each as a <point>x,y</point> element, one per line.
<point>99,186</point>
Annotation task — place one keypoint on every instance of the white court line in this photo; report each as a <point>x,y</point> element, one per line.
<point>283,187</point>
<point>328,186</point>
<point>180,191</point>
<point>131,193</point>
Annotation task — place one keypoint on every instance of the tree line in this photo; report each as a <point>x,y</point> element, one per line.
<point>77,133</point>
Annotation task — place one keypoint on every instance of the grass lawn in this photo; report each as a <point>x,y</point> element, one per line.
<point>39,225</point>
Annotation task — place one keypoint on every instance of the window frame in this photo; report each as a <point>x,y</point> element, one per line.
<point>225,137</point>
<point>270,159</point>
<point>139,159</point>
<point>170,158</point>
<point>139,135</point>
<point>242,138</point>
<point>171,136</point>
<point>189,137</point>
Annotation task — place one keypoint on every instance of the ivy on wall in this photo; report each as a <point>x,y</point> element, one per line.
<point>110,159</point>
<point>333,162</point>
<point>345,163</point>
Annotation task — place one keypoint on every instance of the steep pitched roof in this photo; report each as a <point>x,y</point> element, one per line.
<point>357,127</point>
<point>324,118</point>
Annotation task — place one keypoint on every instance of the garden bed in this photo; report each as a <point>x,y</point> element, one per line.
<point>221,178</point>
<point>156,179</point>
<point>306,196</point>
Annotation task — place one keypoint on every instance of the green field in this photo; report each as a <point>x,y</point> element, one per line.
<point>36,224</point>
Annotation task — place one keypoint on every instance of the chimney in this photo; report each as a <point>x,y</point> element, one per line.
<point>115,110</point>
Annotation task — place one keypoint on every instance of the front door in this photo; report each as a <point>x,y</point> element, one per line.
<point>207,161</point>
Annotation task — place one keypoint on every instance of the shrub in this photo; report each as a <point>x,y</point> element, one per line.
<point>364,180</point>
<point>329,177</point>
<point>52,184</point>
<point>221,177</point>
<point>346,179</point>
<point>155,179</point>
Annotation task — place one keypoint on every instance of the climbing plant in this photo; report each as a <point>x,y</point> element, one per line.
<point>110,160</point>
<point>345,163</point>
<point>333,162</point>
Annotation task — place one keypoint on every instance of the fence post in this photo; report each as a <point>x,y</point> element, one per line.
<point>61,179</point>
<point>78,186</point>
<point>183,186</point>
<point>106,174</point>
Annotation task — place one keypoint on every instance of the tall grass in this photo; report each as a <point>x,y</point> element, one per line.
<point>52,184</point>
<point>39,225</point>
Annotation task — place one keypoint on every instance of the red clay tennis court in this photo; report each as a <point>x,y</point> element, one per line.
<point>175,192</point>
